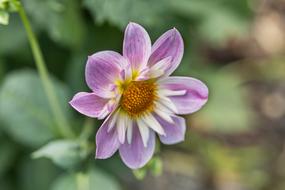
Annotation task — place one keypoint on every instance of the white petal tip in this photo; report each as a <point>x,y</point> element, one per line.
<point>122,140</point>
<point>132,24</point>
<point>98,157</point>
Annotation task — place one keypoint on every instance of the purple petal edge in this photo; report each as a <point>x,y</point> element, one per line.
<point>136,46</point>
<point>195,97</point>
<point>170,44</point>
<point>135,155</point>
<point>107,143</point>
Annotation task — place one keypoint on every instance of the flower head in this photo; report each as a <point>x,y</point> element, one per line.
<point>138,98</point>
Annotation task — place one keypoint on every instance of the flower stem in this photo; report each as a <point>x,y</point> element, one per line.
<point>63,126</point>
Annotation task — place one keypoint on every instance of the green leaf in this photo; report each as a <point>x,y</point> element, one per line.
<point>64,153</point>
<point>2,70</point>
<point>140,173</point>
<point>75,72</point>
<point>15,33</point>
<point>100,180</point>
<point>119,13</point>
<point>4,17</point>
<point>93,179</point>
<point>216,21</point>
<point>230,26</point>
<point>64,24</point>
<point>65,182</point>
<point>24,108</point>
<point>8,153</point>
<point>155,166</point>
<point>35,174</point>
<point>9,5</point>
<point>6,184</point>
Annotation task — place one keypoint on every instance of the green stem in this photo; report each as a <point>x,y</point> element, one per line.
<point>64,127</point>
<point>82,181</point>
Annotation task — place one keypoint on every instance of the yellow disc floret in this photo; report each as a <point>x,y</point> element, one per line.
<point>138,97</point>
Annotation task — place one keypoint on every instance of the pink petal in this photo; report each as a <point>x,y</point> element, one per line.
<point>107,143</point>
<point>195,97</point>
<point>159,69</point>
<point>170,44</point>
<point>136,155</point>
<point>137,46</point>
<point>102,69</point>
<point>91,105</point>
<point>174,132</point>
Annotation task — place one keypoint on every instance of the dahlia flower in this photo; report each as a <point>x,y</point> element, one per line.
<point>137,97</point>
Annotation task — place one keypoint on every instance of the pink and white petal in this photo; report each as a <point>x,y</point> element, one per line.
<point>136,155</point>
<point>143,75</point>
<point>136,46</point>
<point>166,103</point>
<point>170,44</point>
<point>195,97</point>
<point>102,69</point>
<point>164,115</point>
<point>107,141</point>
<point>113,120</point>
<point>107,94</point>
<point>150,121</point>
<point>130,134</point>
<point>126,72</point>
<point>90,104</point>
<point>144,131</point>
<point>160,67</point>
<point>121,127</point>
<point>174,132</point>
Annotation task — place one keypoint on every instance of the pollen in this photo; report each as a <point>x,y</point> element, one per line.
<point>138,97</point>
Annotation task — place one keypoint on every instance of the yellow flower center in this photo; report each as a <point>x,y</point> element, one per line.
<point>138,97</point>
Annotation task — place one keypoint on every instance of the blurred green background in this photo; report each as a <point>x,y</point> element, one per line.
<point>236,142</point>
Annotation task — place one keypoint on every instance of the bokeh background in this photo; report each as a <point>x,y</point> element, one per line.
<point>236,142</point>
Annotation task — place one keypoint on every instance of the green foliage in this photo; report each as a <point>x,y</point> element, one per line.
<point>75,73</point>
<point>207,15</point>
<point>216,21</point>
<point>140,173</point>
<point>227,110</point>
<point>6,39</point>
<point>4,17</point>
<point>24,108</point>
<point>101,180</point>
<point>121,12</point>
<point>2,70</point>
<point>64,153</point>
<point>8,153</point>
<point>155,166</point>
<point>35,174</point>
<point>93,179</point>
<point>229,26</point>
<point>7,6</point>
<point>67,182</point>
<point>64,24</point>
